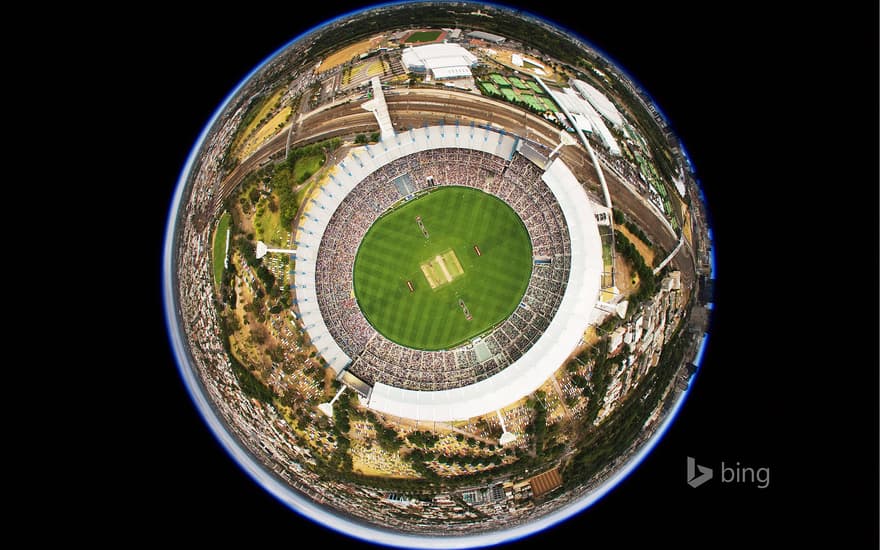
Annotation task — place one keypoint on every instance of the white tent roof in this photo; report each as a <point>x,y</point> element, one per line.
<point>599,102</point>
<point>578,106</point>
<point>582,122</point>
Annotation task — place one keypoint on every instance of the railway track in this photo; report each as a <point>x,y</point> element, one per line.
<point>415,108</point>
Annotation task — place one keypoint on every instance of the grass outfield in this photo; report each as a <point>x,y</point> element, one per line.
<point>456,218</point>
<point>220,247</point>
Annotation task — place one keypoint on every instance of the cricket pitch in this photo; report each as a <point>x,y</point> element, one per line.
<point>442,269</point>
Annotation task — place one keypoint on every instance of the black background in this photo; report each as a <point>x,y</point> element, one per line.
<point>789,379</point>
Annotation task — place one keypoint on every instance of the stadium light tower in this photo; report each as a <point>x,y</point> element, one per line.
<point>262,249</point>
<point>564,139</point>
<point>619,308</point>
<point>327,408</point>
<point>506,437</point>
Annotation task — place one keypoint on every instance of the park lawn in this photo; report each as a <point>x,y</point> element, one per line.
<point>220,247</point>
<point>269,229</point>
<point>491,286</point>
<point>306,167</point>
<point>304,191</point>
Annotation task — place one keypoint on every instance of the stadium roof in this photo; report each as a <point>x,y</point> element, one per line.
<point>434,57</point>
<point>547,354</point>
<point>358,164</point>
<point>541,360</point>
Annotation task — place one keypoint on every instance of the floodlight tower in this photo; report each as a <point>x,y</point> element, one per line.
<point>564,139</point>
<point>262,249</point>
<point>327,408</point>
<point>506,437</point>
<point>619,308</point>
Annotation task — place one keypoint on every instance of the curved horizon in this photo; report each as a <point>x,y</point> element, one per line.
<point>259,472</point>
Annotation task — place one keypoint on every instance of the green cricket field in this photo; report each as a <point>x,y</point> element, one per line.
<point>409,285</point>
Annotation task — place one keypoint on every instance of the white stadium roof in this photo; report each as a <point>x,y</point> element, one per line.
<point>538,363</point>
<point>358,164</point>
<point>531,370</point>
<point>439,57</point>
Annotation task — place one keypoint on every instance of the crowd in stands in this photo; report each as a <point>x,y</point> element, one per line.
<point>377,359</point>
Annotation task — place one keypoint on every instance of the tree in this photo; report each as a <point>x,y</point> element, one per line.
<point>259,334</point>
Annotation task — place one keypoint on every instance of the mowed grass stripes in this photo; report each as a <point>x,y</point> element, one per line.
<point>456,218</point>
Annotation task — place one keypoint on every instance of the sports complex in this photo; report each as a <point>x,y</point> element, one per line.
<point>447,271</point>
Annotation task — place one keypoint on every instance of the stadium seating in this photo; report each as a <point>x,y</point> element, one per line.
<point>377,359</point>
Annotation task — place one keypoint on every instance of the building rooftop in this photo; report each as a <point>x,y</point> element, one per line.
<point>487,36</point>
<point>437,56</point>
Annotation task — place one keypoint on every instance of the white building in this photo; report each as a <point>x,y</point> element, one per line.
<point>585,117</point>
<point>488,37</point>
<point>520,61</point>
<point>440,61</point>
<point>597,99</point>
<point>616,339</point>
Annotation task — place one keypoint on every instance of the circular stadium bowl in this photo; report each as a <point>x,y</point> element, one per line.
<point>558,172</point>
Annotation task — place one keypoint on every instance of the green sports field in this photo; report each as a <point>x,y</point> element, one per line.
<point>220,247</point>
<point>395,251</point>
<point>423,36</point>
